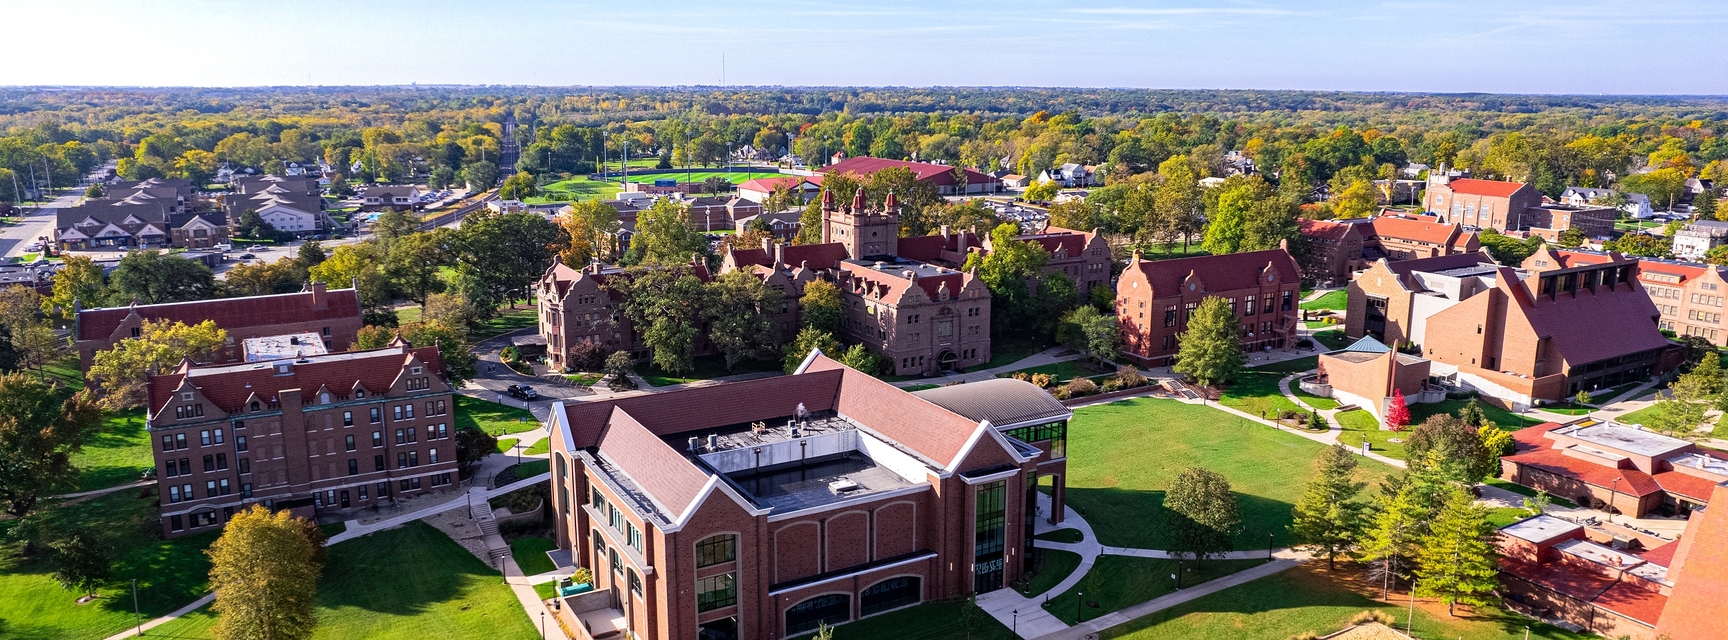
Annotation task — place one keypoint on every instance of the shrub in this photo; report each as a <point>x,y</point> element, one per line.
<point>1060,393</point>
<point>1111,384</point>
<point>586,356</point>
<point>1081,387</point>
<point>1128,377</point>
<point>1022,376</point>
<point>1286,414</point>
<point>1372,615</point>
<point>1042,380</point>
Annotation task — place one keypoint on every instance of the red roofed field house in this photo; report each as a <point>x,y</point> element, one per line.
<point>318,435</point>
<point>763,508</point>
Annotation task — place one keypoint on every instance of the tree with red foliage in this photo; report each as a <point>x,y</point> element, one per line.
<point>1398,415</point>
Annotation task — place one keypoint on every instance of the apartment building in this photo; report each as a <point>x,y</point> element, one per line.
<point>1562,322</point>
<point>1695,240</point>
<point>764,508</point>
<point>293,205</point>
<point>154,213</point>
<point>1155,299</point>
<point>1688,296</point>
<point>320,436</point>
<point>1512,206</point>
<point>1335,250</point>
<point>334,315</point>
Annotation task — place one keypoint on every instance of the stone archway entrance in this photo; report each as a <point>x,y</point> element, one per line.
<point>947,359</point>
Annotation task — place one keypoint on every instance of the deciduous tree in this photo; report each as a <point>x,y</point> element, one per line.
<point>665,235</point>
<point>153,277</point>
<point>120,372</point>
<point>38,435</point>
<point>1398,414</point>
<point>592,226</point>
<point>414,263</point>
<point>809,339</point>
<point>1449,448</point>
<point>667,305</point>
<point>498,257</point>
<point>1007,270</point>
<point>78,283</point>
<point>822,307</point>
<point>738,317</point>
<point>1210,351</point>
<point>265,575</point>
<point>1205,516</point>
<point>82,563</point>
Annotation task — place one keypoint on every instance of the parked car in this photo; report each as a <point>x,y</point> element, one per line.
<point>247,256</point>
<point>224,247</point>
<point>522,392</point>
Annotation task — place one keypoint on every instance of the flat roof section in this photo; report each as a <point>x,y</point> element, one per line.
<point>1628,439</point>
<point>817,482</point>
<point>1540,529</point>
<point>1701,462</point>
<point>1598,554</point>
<point>292,345</point>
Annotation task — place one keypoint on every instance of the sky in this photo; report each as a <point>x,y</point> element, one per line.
<point>1500,46</point>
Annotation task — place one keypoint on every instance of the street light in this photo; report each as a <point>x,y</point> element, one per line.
<point>1613,497</point>
<point>1015,630</point>
<point>136,617</point>
<point>1079,602</point>
<point>542,625</point>
<point>1269,547</point>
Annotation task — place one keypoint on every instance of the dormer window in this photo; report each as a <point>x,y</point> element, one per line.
<point>254,406</point>
<point>360,393</point>
<point>323,398</point>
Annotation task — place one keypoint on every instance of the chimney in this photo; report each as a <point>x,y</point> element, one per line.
<point>693,441</point>
<point>827,200</point>
<point>765,245</point>
<point>944,231</point>
<point>320,300</point>
<point>892,204</point>
<point>779,254</point>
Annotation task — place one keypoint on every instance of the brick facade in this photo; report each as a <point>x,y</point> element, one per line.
<point>1688,296</point>
<point>334,315</point>
<point>1155,298</point>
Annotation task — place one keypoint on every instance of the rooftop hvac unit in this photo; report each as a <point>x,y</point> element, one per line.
<point>843,486</point>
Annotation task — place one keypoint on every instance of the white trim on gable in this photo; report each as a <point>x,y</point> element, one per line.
<point>807,360</point>
<point>972,441</point>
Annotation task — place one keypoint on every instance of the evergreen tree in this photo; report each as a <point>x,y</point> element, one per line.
<point>1210,351</point>
<point>1328,517</point>
<point>1457,561</point>
<point>1389,542</point>
<point>264,573</point>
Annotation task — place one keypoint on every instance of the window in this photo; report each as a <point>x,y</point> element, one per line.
<point>401,461</point>
<point>218,436</point>
<point>246,490</point>
<point>221,462</point>
<point>413,458</point>
<point>396,412</point>
<point>633,536</point>
<point>1248,305</point>
<point>377,439</point>
<point>408,410</point>
<point>378,462</point>
<point>172,469</point>
<point>209,464</point>
<point>363,496</point>
<point>353,467</point>
<point>175,523</point>
<point>347,418</point>
<point>179,441</point>
<point>617,563</point>
<point>713,592</point>
<point>1170,317</point>
<point>348,442</point>
<point>635,583</point>
<point>204,438</point>
<point>432,456</point>
<point>989,535</point>
<point>889,594</point>
<point>831,609</point>
<point>209,489</point>
<point>245,466</point>
<point>401,438</point>
<point>204,519</point>
<point>223,483</point>
<point>374,415</point>
<point>167,442</point>
<point>443,431</point>
<point>240,443</point>
<point>1055,432</point>
<point>617,518</point>
<point>411,435</point>
<point>716,549</point>
<point>174,494</point>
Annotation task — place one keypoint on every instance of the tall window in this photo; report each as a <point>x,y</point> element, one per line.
<point>989,534</point>
<point>830,609</point>
<point>889,594</point>
<point>716,549</point>
<point>716,592</point>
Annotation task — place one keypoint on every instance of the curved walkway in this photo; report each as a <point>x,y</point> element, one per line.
<point>1029,618</point>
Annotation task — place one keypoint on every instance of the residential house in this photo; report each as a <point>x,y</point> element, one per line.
<point>768,508</point>
<point>1696,239</point>
<point>1156,298</point>
<point>398,198</point>
<point>1015,181</point>
<point>292,205</point>
<point>318,436</point>
<point>335,315</point>
<point>1068,175</point>
<point>1637,205</point>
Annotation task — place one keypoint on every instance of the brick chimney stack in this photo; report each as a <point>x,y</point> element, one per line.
<point>320,300</point>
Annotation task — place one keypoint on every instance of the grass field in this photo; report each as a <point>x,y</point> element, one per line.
<point>1527,491</point>
<point>1256,389</point>
<point>170,573</point>
<point>410,583</point>
<point>1332,340</point>
<point>943,620</point>
<point>1331,301</point>
<point>541,447</point>
<point>1502,417</point>
<point>579,188</point>
<point>492,417</point>
<point>118,455</point>
<point>1122,455</point>
<point>1061,371</point>
<point>1309,599</point>
<point>509,320</point>
<point>1360,424</point>
<point>737,176</point>
<point>1313,400</point>
<point>1119,582</point>
<point>1069,536</point>
<point>707,367</point>
<point>530,554</point>
<point>1640,416</point>
<point>1057,566</point>
<point>504,444</point>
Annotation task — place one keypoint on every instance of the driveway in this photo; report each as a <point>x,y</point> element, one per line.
<point>491,377</point>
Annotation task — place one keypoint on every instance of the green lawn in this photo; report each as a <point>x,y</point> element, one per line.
<point>492,417</point>
<point>1604,395</point>
<point>1359,424</point>
<point>943,620</point>
<point>118,455</point>
<point>410,583</point>
<point>738,175</point>
<point>1506,419</point>
<point>504,444</point>
<point>1069,536</point>
<point>585,379</point>
<point>1057,566</point>
<point>1640,416</point>
<point>531,468</point>
<point>1332,340</point>
<point>919,387</point>
<point>408,315</point>
<point>1061,371</point>
<point>1308,599</point>
<point>530,554</point>
<point>507,321</point>
<point>1313,400</point>
<point>1121,456</point>
<point>170,573</point>
<point>1119,582</point>
<point>1158,253</point>
<point>1012,351</point>
<point>1256,391</point>
<point>1568,408</point>
<point>577,188</point>
<point>541,447</point>
<point>546,590</point>
<point>1293,365</point>
<point>707,367</point>
<point>1331,300</point>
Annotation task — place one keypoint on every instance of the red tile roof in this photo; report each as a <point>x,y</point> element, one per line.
<point>1593,325</point>
<point>1635,602</point>
<point>1690,486</point>
<point>694,409</point>
<point>1576,582</point>
<point>1685,271</point>
<point>229,313</point>
<point>1219,273</point>
<point>374,370</point>
<point>768,185</point>
<point>1632,481</point>
<point>816,256</point>
<point>1324,229</point>
<point>891,284</point>
<point>935,174</point>
<point>663,473</point>
<point>1416,230</point>
<point>1661,556</point>
<point>1495,188</point>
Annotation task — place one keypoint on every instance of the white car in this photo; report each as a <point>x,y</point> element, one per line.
<point>224,247</point>
<point>33,247</point>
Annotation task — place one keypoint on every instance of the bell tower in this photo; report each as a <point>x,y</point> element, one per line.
<point>864,232</point>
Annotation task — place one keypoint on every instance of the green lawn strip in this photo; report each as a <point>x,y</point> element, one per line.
<point>737,176</point>
<point>170,573</point>
<point>1502,516</point>
<point>1506,419</point>
<point>919,387</point>
<point>531,468</point>
<point>1069,536</point>
<point>585,379</point>
<point>541,447</point>
<point>1331,300</point>
<point>1313,400</point>
<point>504,444</point>
<point>1640,416</point>
<point>118,455</point>
<point>530,554</point>
<point>492,417</point>
<point>410,583</point>
<point>1332,340</point>
<point>408,315</point>
<point>1568,409</point>
<point>1158,253</point>
<point>546,590</point>
<point>1601,396</point>
<point>506,322</point>
<point>1359,424</point>
<point>1256,391</point>
<point>707,367</point>
<point>333,529</point>
<point>66,371</point>
<point>1119,582</point>
<point>1306,599</point>
<point>1056,568</point>
<point>941,620</point>
<point>1527,491</point>
<point>1122,456</point>
<point>1062,371</point>
<point>1012,351</point>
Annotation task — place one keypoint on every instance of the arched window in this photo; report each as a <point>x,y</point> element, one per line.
<point>635,583</point>
<point>830,609</point>
<point>890,594</point>
<point>599,550</point>
<point>716,549</point>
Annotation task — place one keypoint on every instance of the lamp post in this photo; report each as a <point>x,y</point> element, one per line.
<point>542,625</point>
<point>1269,538</point>
<point>1412,617</point>
<point>1015,630</point>
<point>1613,496</point>
<point>1079,607</point>
<point>139,619</point>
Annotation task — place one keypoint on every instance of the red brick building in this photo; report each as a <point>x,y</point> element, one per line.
<point>335,315</point>
<point>1155,298</point>
<point>941,176</point>
<point>1512,206</point>
<point>321,435</point>
<point>760,509</point>
<point>1689,296</point>
<point>1334,250</point>
<point>1600,464</point>
<point>1400,238</point>
<point>577,307</point>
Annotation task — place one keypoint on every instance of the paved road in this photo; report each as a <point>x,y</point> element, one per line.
<point>38,221</point>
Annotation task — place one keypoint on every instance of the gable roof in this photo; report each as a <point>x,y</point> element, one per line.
<point>928,429</point>
<point>935,174</point>
<point>1478,187</point>
<point>818,256</point>
<point>229,386</point>
<point>1219,273</point>
<point>1417,230</point>
<point>1324,229</point>
<point>229,313</point>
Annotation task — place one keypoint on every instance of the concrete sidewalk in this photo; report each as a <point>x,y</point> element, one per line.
<point>1013,610</point>
<point>1091,628</point>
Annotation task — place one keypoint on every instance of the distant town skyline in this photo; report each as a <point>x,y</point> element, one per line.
<point>1546,46</point>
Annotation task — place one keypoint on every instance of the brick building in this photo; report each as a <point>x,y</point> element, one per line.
<point>1402,238</point>
<point>1599,464</point>
<point>1334,250</point>
<point>763,508</point>
<point>334,315</point>
<point>1369,374</point>
<point>944,178</point>
<point>1512,206</point>
<point>1154,299</point>
<point>1564,321</point>
<point>320,435</point>
<point>1557,569</point>
<point>1688,296</point>
<point>1084,257</point>
<point>576,307</point>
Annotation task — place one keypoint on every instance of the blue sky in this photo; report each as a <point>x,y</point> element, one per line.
<point>1506,46</point>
